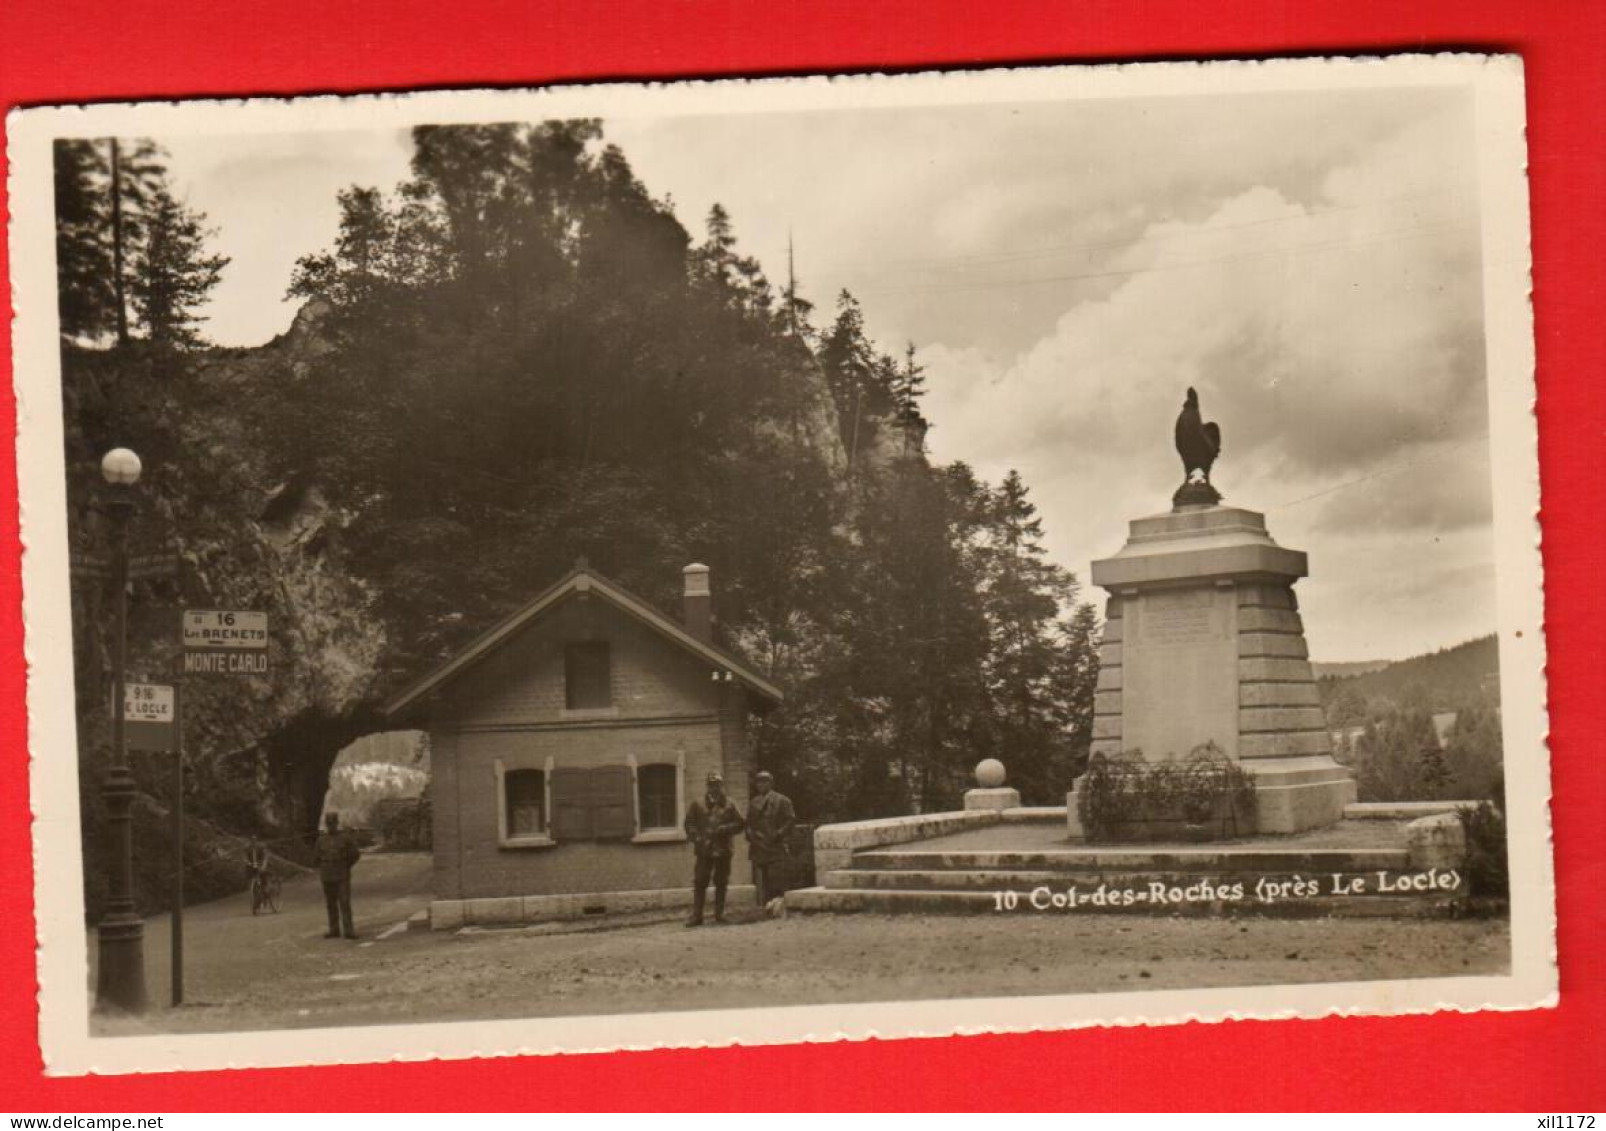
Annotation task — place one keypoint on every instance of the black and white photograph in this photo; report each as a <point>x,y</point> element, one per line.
<point>798,559</point>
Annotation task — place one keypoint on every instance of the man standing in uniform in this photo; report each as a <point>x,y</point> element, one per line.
<point>711,822</point>
<point>769,821</point>
<point>334,856</point>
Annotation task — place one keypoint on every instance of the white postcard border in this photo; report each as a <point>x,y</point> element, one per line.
<point>68,1046</point>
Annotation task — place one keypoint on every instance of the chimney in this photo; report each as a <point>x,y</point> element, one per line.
<point>699,603</point>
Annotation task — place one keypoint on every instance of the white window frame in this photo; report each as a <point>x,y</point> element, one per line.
<point>673,834</point>
<point>505,839</point>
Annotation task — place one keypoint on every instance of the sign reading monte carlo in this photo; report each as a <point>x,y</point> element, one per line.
<point>231,642</point>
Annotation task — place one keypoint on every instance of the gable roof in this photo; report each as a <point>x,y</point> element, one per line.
<point>582,579</point>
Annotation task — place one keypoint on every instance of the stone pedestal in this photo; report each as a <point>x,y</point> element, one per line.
<point>1203,643</point>
<point>991,793</point>
<point>998,799</point>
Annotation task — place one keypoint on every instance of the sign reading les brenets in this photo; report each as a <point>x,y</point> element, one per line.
<point>225,641</point>
<point>149,717</point>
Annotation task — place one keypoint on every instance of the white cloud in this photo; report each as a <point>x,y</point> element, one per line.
<point>1338,341</point>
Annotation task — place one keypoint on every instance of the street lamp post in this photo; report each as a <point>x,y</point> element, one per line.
<point>121,982</point>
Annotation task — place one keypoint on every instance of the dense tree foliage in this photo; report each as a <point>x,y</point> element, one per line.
<point>525,358</point>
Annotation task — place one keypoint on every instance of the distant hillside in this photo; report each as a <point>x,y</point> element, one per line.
<point>1348,668</point>
<point>1446,680</point>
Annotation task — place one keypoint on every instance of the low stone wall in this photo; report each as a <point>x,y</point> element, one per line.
<point>1054,813</point>
<point>1402,810</point>
<point>1437,842</point>
<point>514,910</point>
<point>834,845</point>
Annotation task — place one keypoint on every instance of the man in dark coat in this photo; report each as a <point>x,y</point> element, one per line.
<point>769,821</point>
<point>256,871</point>
<point>334,856</point>
<point>711,822</point>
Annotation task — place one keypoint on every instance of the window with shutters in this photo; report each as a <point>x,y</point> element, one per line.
<point>523,807</point>
<point>658,795</point>
<point>525,791</point>
<point>588,676</point>
<point>592,804</point>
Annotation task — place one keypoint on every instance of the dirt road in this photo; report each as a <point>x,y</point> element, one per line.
<point>279,971</point>
<point>229,951</point>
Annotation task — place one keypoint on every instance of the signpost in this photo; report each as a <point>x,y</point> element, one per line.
<point>150,717</point>
<point>177,952</point>
<point>151,723</point>
<point>141,567</point>
<point>215,642</point>
<point>225,642</point>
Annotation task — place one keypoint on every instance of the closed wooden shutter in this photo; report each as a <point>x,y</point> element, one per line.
<point>613,814</point>
<point>596,804</point>
<point>571,804</point>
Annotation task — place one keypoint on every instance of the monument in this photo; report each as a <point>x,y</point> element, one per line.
<point>1203,643</point>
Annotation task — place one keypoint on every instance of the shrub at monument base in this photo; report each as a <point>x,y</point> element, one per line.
<point>1487,874</point>
<point>1206,796</point>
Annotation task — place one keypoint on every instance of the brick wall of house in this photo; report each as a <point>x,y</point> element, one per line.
<point>511,708</point>
<point>443,790</point>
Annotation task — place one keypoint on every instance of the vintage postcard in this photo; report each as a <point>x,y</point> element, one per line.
<point>792,560</point>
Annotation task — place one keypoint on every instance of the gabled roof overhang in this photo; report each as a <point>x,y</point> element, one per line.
<point>582,580</point>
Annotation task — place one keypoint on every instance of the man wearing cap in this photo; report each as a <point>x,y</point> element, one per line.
<point>769,820</point>
<point>334,855</point>
<point>711,822</point>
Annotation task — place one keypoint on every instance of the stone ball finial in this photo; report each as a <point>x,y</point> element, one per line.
<point>989,773</point>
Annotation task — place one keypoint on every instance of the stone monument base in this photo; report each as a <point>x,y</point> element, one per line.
<point>1295,794</point>
<point>1291,796</point>
<point>1204,647</point>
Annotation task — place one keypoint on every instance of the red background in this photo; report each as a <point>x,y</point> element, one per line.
<point>73,50</point>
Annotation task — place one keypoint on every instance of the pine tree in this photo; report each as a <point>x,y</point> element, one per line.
<point>355,274</point>
<point>909,385</point>
<point>849,363</point>
<point>136,181</point>
<point>795,309</point>
<point>1026,597</point>
<point>1076,680</point>
<point>85,292</point>
<point>1433,771</point>
<point>737,279</point>
<point>171,274</point>
<point>104,192</point>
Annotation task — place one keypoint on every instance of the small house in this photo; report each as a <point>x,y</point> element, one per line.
<point>567,742</point>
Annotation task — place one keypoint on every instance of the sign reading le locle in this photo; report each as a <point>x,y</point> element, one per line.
<point>149,717</point>
<point>218,641</point>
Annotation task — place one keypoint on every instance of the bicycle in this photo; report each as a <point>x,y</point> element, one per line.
<point>265,887</point>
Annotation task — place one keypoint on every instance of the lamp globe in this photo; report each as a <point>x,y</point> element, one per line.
<point>121,467</point>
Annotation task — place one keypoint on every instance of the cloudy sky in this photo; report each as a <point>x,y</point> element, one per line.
<point>1308,261</point>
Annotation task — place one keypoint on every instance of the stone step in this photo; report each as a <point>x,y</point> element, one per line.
<point>1402,810</point>
<point>1202,861</point>
<point>1049,900</point>
<point>855,879</point>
